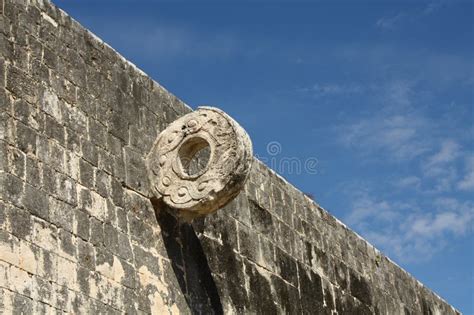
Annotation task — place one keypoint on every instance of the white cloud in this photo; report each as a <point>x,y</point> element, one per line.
<point>408,182</point>
<point>366,208</point>
<point>434,6</point>
<point>167,41</point>
<point>405,232</point>
<point>398,94</point>
<point>451,216</point>
<point>396,130</point>
<point>467,183</point>
<point>392,22</point>
<point>448,152</point>
<point>170,41</point>
<point>440,168</point>
<point>395,135</point>
<point>331,89</point>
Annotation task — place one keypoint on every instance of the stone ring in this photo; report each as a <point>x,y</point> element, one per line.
<point>200,162</point>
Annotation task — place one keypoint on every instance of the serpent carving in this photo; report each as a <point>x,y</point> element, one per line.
<point>191,188</point>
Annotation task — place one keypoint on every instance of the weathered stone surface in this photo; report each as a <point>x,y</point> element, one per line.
<point>79,233</point>
<point>215,179</point>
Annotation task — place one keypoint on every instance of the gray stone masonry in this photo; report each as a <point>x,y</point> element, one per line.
<point>79,233</point>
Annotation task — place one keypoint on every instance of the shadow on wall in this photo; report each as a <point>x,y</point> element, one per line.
<point>189,262</point>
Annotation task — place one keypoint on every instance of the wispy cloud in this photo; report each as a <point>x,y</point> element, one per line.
<point>169,41</point>
<point>410,230</point>
<point>332,89</point>
<point>391,22</point>
<point>408,182</point>
<point>407,232</point>
<point>166,41</point>
<point>434,6</point>
<point>397,135</point>
<point>394,130</point>
<point>366,209</point>
<point>431,226</point>
<point>440,167</point>
<point>395,21</point>
<point>448,152</point>
<point>467,182</point>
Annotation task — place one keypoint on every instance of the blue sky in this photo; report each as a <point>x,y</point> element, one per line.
<point>380,94</point>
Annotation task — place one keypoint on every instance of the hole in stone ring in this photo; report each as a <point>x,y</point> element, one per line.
<point>194,155</point>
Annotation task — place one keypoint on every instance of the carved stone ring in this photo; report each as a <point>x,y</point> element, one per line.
<point>177,168</point>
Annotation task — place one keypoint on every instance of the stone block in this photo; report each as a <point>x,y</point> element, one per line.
<point>67,273</point>
<point>85,254</point>
<point>6,135</point>
<point>97,133</point>
<point>22,304</point>
<point>96,235</point>
<point>19,221</point>
<point>26,138</point>
<point>223,229</point>
<point>50,58</point>
<point>16,160</point>
<point>287,266</point>
<point>73,142</point>
<point>21,85</point>
<point>47,265</point>
<point>22,110</point>
<point>146,262</point>
<point>124,249</point>
<point>32,172</point>
<point>262,220</point>
<point>89,152</point>
<point>248,243</point>
<point>42,290</point>
<point>20,281</point>
<point>106,161</point>
<point>119,168</point>
<point>110,215</point>
<point>11,189</point>
<point>36,202</point>
<point>87,174</point>
<point>83,276</point>
<point>102,183</point>
<point>9,248</point>
<point>56,156</point>
<point>54,130</point>
<point>6,48</point>
<point>117,192</point>
<point>114,145</point>
<point>61,214</point>
<point>82,225</point>
<point>136,175</point>
<point>311,290</point>
<point>71,165</point>
<point>266,256</point>
<point>3,216</point>
<point>287,296</point>
<point>67,245</point>
<point>121,216</point>
<point>45,235</point>
<point>360,288</point>
<point>28,257</point>
<point>260,290</point>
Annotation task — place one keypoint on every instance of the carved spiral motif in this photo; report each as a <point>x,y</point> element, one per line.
<point>185,185</point>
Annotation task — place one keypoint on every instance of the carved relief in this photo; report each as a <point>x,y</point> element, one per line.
<point>176,167</point>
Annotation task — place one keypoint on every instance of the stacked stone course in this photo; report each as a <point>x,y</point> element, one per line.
<point>79,234</point>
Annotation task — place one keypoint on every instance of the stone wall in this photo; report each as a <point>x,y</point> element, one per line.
<point>78,232</point>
